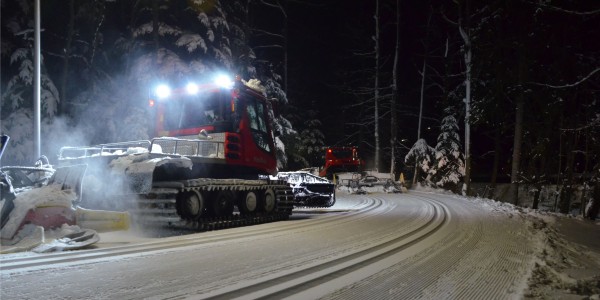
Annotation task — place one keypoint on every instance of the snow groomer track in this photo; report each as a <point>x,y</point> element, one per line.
<point>159,207</point>
<point>377,246</point>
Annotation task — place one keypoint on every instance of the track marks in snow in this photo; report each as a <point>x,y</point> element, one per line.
<point>377,246</point>
<point>301,282</point>
<point>20,263</point>
<point>477,256</point>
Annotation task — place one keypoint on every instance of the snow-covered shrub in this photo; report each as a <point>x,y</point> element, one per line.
<point>422,156</point>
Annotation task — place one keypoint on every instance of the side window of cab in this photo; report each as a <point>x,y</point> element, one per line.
<point>258,124</point>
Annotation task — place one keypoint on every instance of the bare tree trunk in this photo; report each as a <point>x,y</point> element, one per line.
<point>132,21</point>
<point>422,96</point>
<point>465,32</point>
<point>97,35</point>
<point>416,174</point>
<point>64,108</point>
<point>592,212</point>
<point>282,8</point>
<point>516,155</point>
<point>565,201</point>
<point>376,98</point>
<point>395,96</point>
<point>467,179</point>
<point>539,182</point>
<point>423,74</point>
<point>155,27</point>
<point>420,112</point>
<point>518,138</point>
<point>497,150</point>
<point>539,176</point>
<point>584,199</point>
<point>285,49</point>
<point>558,174</point>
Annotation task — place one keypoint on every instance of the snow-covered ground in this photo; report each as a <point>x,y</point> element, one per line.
<point>567,261</point>
<point>421,244</point>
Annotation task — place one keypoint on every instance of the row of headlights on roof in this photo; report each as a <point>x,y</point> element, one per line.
<point>163,91</point>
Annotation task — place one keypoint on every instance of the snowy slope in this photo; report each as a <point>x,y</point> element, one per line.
<point>422,245</point>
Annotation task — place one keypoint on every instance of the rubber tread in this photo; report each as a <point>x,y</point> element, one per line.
<point>157,208</point>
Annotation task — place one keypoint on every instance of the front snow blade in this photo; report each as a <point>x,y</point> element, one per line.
<point>29,237</point>
<point>69,178</point>
<point>72,241</point>
<point>102,220</point>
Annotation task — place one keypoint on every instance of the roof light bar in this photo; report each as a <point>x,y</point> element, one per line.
<point>192,88</point>
<point>163,91</point>
<point>224,81</point>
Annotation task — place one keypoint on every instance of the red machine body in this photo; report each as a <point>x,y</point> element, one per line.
<point>238,118</point>
<point>341,159</point>
<point>212,150</point>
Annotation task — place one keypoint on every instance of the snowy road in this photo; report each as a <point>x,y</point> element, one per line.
<point>376,246</point>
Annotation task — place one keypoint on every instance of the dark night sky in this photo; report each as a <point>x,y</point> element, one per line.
<point>329,38</point>
<point>325,39</point>
<point>319,40</point>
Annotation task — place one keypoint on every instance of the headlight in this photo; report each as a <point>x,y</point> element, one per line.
<point>163,91</point>
<point>191,88</point>
<point>224,81</point>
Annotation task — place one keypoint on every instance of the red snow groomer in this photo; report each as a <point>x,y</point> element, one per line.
<point>341,159</point>
<point>207,167</point>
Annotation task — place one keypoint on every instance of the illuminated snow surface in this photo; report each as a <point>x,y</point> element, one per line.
<point>421,244</point>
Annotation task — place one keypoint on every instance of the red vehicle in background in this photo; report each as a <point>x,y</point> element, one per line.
<point>341,159</point>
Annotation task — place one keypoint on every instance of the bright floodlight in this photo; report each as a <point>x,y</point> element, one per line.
<point>191,88</point>
<point>224,81</point>
<point>163,91</point>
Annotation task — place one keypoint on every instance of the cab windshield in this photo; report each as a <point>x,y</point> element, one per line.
<point>342,153</point>
<point>192,111</point>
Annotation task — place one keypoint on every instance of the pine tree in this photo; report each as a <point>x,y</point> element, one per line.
<point>16,106</point>
<point>171,44</point>
<point>121,51</point>
<point>449,167</point>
